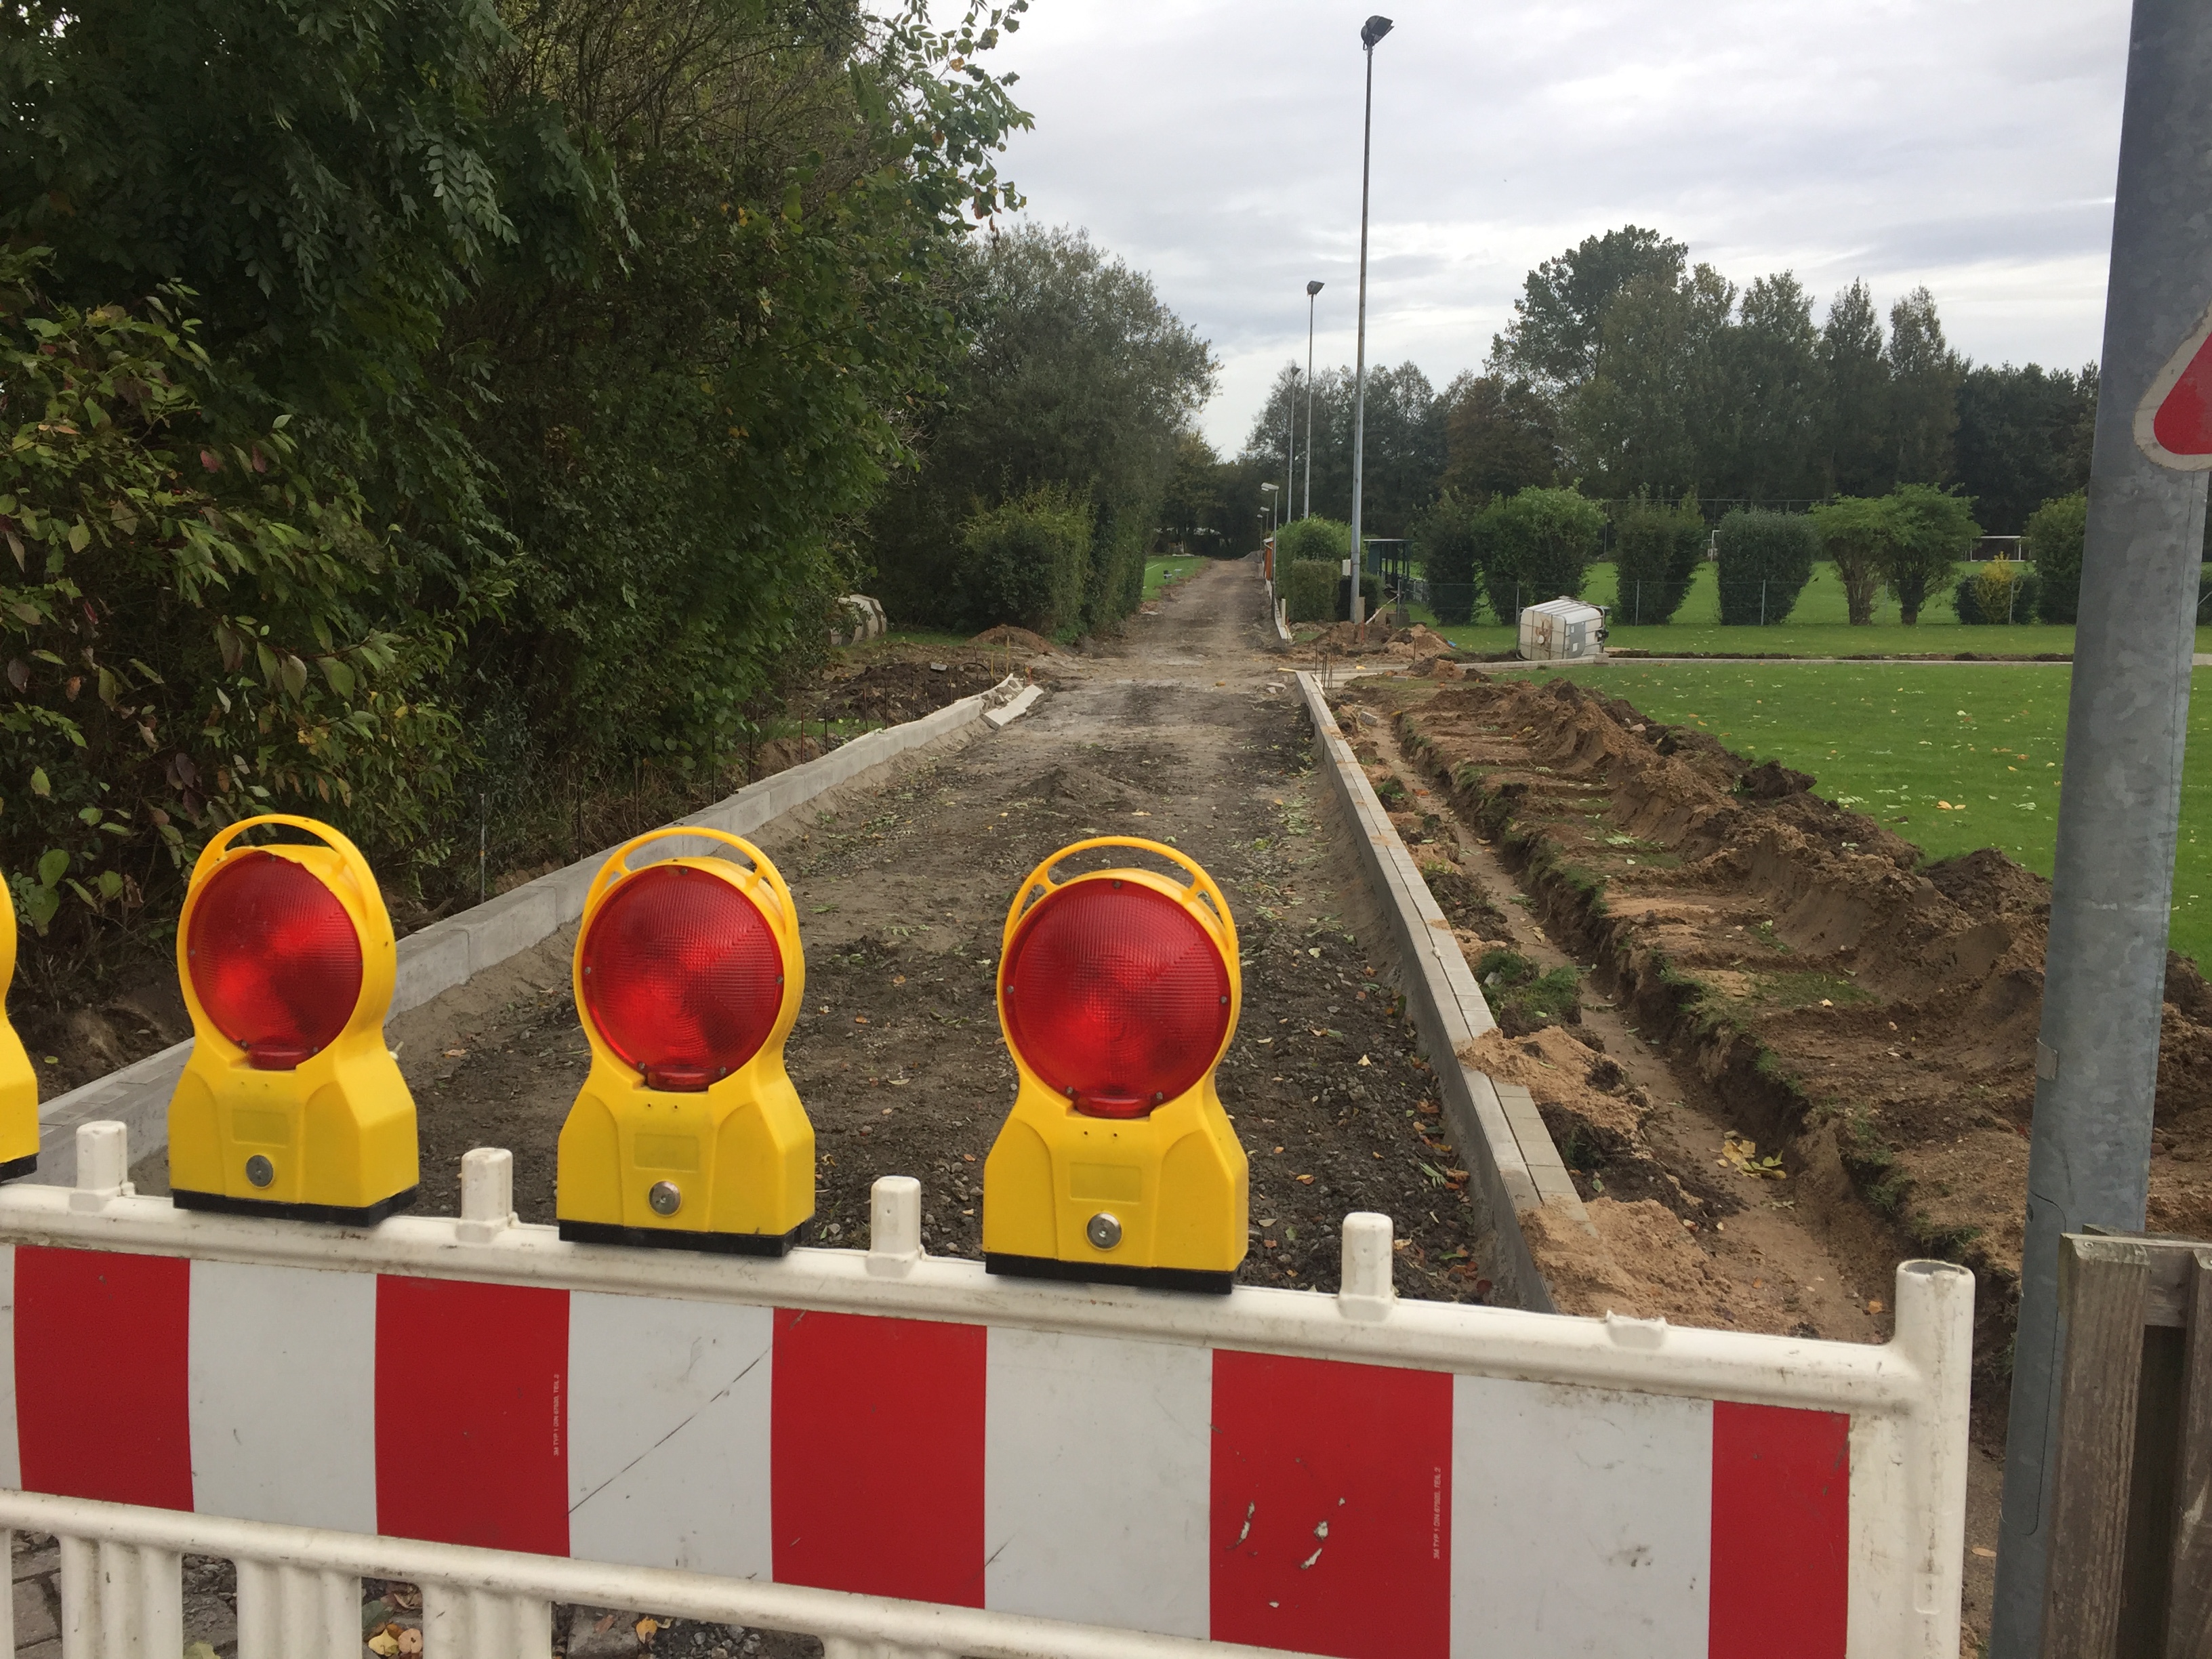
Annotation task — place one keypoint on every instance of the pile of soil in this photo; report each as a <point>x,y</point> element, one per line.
<point>1399,644</point>
<point>892,690</point>
<point>1020,638</point>
<point>1854,1008</point>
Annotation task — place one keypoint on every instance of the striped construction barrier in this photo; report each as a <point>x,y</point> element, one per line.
<point>1342,1475</point>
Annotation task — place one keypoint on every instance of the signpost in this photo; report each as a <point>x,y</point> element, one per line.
<point>2111,888</point>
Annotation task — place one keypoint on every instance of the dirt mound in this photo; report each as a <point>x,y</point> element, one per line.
<point>1020,638</point>
<point>1640,1265</point>
<point>1399,644</point>
<point>894,691</point>
<point>1853,1006</point>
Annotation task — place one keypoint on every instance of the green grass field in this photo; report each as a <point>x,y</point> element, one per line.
<point>1818,625</point>
<point>1166,573</point>
<point>1950,757</point>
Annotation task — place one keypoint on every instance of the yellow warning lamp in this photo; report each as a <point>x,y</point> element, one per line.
<point>290,1104</point>
<point>688,1134</point>
<point>19,1083</point>
<point>1118,992</point>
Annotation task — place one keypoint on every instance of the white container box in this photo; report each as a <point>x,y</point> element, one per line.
<point>1563,630</point>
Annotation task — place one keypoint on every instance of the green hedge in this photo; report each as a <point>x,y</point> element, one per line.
<point>1656,550</point>
<point>2056,532</point>
<point>1028,561</point>
<point>1766,559</point>
<point>2002,591</point>
<point>1312,538</point>
<point>1444,545</point>
<point>1537,546</point>
<point>1309,589</point>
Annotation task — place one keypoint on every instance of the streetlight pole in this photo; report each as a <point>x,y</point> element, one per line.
<point>1290,443</point>
<point>1312,288</point>
<point>1273,518</point>
<point>1370,31</point>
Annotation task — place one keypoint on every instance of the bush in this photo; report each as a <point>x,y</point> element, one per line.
<point>1766,559</point>
<point>2056,532</point>
<point>1537,546</point>
<point>196,628</point>
<point>1656,551</point>
<point>1026,561</point>
<point>1443,543</point>
<point>1931,530</point>
<point>1370,585</point>
<point>2002,591</point>
<point>1312,538</point>
<point>1855,532</point>
<point>1309,588</point>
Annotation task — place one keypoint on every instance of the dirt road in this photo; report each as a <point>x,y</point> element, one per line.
<point>1187,733</point>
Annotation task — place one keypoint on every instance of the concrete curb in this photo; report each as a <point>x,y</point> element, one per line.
<point>449,953</point>
<point>1496,1126</point>
<point>1276,615</point>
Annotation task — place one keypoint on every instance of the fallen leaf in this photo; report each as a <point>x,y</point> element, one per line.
<point>384,1644</point>
<point>1986,1555</point>
<point>898,979</point>
<point>1874,1306</point>
<point>457,1053</point>
<point>860,1019</point>
<point>1363,1059</point>
<point>1306,1180</point>
<point>410,1641</point>
<point>606,1623</point>
<point>646,1628</point>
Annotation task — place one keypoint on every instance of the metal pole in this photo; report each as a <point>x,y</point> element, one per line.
<point>1370,32</point>
<point>1290,441</point>
<point>1312,288</point>
<point>2096,1059</point>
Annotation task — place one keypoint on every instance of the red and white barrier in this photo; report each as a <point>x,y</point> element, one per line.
<point>1348,1475</point>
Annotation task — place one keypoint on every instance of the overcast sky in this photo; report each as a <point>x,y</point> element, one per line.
<point>1967,144</point>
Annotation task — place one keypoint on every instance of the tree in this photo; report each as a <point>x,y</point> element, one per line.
<point>1855,532</point>
<point>1931,530</point>
<point>2022,440</point>
<point>1537,546</point>
<point>2056,534</point>
<point>1405,444</point>
<point>1556,337</point>
<point>1079,376</point>
<point>1191,500</point>
<point>1854,376</point>
<point>1766,559</point>
<point>1500,436</point>
<point>1643,418</point>
<point>1924,376</point>
<point>1443,544</point>
<point>1764,440</point>
<point>1656,551</point>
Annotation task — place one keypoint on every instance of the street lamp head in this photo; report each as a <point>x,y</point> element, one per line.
<point>1312,288</point>
<point>1270,488</point>
<point>1373,30</point>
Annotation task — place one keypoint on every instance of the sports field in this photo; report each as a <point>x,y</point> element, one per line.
<point>1818,625</point>
<point>1950,757</point>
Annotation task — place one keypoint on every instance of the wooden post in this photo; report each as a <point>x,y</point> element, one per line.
<point>2188,1603</point>
<point>2103,1288</point>
<point>2129,1552</point>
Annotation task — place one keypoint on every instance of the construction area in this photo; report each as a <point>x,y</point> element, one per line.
<point>1773,1054</point>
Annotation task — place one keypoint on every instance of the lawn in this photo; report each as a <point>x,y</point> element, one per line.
<point>1950,757</point>
<point>1166,573</point>
<point>1817,626</point>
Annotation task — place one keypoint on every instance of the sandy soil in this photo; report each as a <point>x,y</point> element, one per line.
<point>1825,1001</point>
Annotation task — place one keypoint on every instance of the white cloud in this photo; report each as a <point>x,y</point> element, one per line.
<point>1966,144</point>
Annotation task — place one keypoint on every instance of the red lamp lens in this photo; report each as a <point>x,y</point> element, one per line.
<point>682,977</point>
<point>275,959</point>
<point>1115,996</point>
